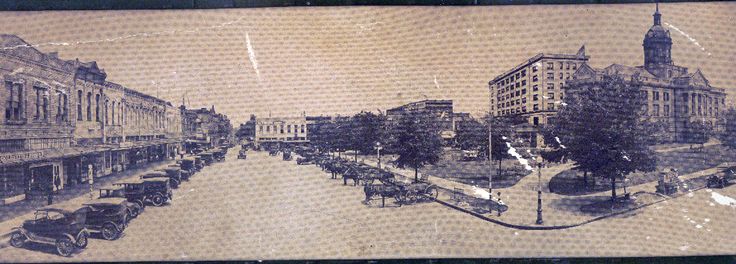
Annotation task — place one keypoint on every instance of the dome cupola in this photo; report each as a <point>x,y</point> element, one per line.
<point>657,43</point>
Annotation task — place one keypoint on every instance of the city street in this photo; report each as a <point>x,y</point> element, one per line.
<point>266,208</point>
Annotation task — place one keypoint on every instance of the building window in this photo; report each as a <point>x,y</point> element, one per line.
<point>645,95</point>
<point>38,91</point>
<point>535,97</point>
<point>281,128</point>
<point>523,73</point>
<point>535,88</point>
<point>302,128</point>
<point>79,105</point>
<point>550,66</point>
<point>89,106</point>
<point>523,100</point>
<point>523,91</point>
<point>574,66</point>
<point>15,102</point>
<point>523,83</point>
<point>535,107</point>
<point>561,65</point>
<point>288,129</point>
<point>550,106</point>
<point>666,110</point>
<point>655,109</point>
<point>535,119</point>
<point>666,96</point>
<point>655,95</point>
<point>562,76</point>
<point>550,86</point>
<point>106,112</point>
<point>551,96</point>
<point>268,128</point>
<point>550,76</point>
<point>535,78</point>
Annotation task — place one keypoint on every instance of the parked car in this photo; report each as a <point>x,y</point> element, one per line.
<point>174,173</point>
<point>206,157</point>
<point>174,180</point>
<point>469,155</point>
<point>286,155</point>
<point>133,208</point>
<point>722,178</point>
<point>157,190</point>
<point>198,163</point>
<point>59,227</point>
<point>109,217</point>
<point>243,153</point>
<point>185,174</point>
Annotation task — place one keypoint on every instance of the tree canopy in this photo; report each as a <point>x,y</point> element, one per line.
<point>601,129</point>
<point>728,137</point>
<point>418,143</point>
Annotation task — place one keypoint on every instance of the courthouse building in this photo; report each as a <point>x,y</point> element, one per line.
<point>440,112</point>
<point>61,116</point>
<point>536,88</point>
<point>675,95</point>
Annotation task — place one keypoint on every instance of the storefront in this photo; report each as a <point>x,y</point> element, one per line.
<point>28,174</point>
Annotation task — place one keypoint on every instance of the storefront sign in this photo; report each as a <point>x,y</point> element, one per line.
<point>19,157</point>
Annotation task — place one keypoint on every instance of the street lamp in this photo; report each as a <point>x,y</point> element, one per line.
<point>378,153</point>
<point>539,190</point>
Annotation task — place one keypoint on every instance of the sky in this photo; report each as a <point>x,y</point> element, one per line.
<point>342,60</point>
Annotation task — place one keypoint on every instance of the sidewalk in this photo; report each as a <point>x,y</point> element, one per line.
<point>682,146</point>
<point>559,211</point>
<point>9,214</point>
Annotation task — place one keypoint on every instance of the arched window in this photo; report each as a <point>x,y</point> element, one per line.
<point>89,106</point>
<point>113,113</point>
<point>79,105</point>
<point>107,116</point>
<point>97,107</point>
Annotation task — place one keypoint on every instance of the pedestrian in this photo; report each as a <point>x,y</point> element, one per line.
<point>498,208</point>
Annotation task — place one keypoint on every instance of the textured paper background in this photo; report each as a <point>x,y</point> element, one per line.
<point>346,59</point>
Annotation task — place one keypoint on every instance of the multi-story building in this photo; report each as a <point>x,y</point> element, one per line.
<point>205,128</point>
<point>439,111</point>
<point>674,95</point>
<point>63,119</point>
<point>281,130</point>
<point>534,89</point>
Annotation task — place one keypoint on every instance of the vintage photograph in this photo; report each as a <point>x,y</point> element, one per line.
<point>368,132</point>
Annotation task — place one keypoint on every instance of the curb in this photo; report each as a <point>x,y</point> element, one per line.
<point>528,227</point>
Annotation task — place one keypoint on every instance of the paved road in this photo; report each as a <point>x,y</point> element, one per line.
<point>265,208</point>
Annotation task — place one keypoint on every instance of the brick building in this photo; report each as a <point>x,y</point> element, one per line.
<point>205,128</point>
<point>62,116</point>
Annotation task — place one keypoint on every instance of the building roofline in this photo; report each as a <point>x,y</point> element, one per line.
<point>536,58</point>
<point>422,101</point>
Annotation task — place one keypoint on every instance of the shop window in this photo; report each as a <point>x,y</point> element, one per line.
<point>13,111</point>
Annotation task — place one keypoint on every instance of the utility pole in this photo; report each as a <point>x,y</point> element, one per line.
<point>490,162</point>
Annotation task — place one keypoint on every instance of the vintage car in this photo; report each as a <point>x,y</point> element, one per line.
<point>206,157</point>
<point>109,217</point>
<point>198,163</point>
<point>185,174</point>
<point>305,159</point>
<point>286,155</point>
<point>471,154</point>
<point>218,154</point>
<point>174,173</point>
<point>243,153</point>
<point>173,180</point>
<point>109,194</point>
<point>156,190</point>
<point>61,227</point>
<point>722,178</point>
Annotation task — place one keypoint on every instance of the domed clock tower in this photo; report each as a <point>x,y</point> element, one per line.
<point>657,50</point>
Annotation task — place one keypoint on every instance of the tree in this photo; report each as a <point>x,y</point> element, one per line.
<point>698,132</point>
<point>728,136</point>
<point>366,129</point>
<point>418,143</point>
<point>601,129</point>
<point>474,135</point>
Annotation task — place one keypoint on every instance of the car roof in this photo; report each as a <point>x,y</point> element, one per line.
<point>154,173</point>
<point>166,178</point>
<point>130,181</point>
<point>64,208</point>
<point>106,200</point>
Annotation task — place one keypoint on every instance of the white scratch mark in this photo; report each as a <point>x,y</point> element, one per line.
<point>522,160</point>
<point>723,200</point>
<point>693,40</point>
<point>252,56</point>
<point>559,142</point>
<point>436,84</point>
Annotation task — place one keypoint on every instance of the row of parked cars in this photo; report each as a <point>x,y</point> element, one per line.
<point>68,226</point>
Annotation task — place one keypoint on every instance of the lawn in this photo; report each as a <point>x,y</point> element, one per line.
<point>570,182</point>
<point>452,168</point>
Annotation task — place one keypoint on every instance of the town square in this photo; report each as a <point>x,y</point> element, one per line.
<point>368,133</point>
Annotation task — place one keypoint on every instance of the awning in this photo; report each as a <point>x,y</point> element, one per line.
<point>20,157</point>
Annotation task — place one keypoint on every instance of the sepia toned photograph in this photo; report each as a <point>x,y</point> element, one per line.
<point>368,132</point>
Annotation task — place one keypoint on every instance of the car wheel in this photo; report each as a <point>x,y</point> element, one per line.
<point>109,232</point>
<point>65,247</point>
<point>157,199</point>
<point>82,240</point>
<point>17,240</point>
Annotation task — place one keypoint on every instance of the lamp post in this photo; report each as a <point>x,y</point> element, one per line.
<point>539,191</point>
<point>378,153</point>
